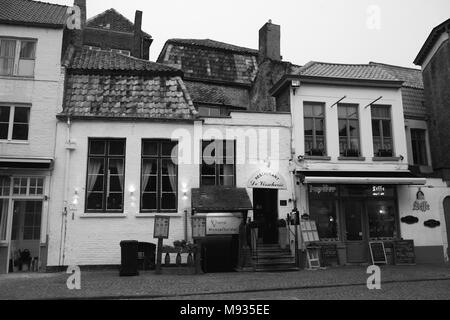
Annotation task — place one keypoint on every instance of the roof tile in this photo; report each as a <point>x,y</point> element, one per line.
<point>32,12</point>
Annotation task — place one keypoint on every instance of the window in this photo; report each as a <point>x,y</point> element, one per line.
<point>382,223</point>
<point>314,119</point>
<point>32,220</point>
<point>419,147</point>
<point>322,209</point>
<point>159,176</point>
<point>28,186</point>
<point>218,163</point>
<point>348,130</point>
<point>17,57</point>
<point>105,175</point>
<point>14,123</point>
<point>382,131</point>
<point>5,188</point>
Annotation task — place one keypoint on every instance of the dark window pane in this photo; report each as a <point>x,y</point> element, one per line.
<point>116,166</point>
<point>208,180</point>
<point>21,115</point>
<point>117,148</point>
<point>342,128</point>
<point>116,184</point>
<point>115,201</point>
<point>27,49</point>
<point>387,129</point>
<point>149,201</point>
<point>169,148</point>
<point>324,213</point>
<point>308,127</point>
<point>320,127</point>
<point>381,219</point>
<point>150,183</point>
<point>4,127</point>
<point>169,184</point>
<point>20,132</point>
<point>168,201</point>
<point>94,201</point>
<point>209,149</point>
<point>4,114</point>
<point>150,148</point>
<point>168,167</point>
<point>96,166</point>
<point>97,147</point>
<point>376,128</point>
<point>208,170</point>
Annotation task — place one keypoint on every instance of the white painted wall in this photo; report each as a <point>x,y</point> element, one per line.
<point>330,94</point>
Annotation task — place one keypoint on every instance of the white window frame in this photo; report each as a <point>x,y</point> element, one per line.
<point>12,111</point>
<point>17,56</point>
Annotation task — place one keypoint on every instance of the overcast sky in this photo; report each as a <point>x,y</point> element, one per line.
<point>344,31</point>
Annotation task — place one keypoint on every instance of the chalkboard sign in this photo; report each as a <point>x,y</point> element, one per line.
<point>378,252</point>
<point>329,255</point>
<point>404,253</point>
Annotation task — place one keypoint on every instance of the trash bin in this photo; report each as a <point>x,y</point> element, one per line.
<point>129,258</point>
<point>146,256</point>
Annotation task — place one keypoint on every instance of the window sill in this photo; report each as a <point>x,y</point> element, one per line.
<point>16,77</point>
<point>390,159</point>
<point>352,159</point>
<point>103,216</point>
<point>324,158</point>
<point>153,215</point>
<point>14,142</point>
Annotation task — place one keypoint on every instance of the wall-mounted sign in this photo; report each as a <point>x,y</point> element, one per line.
<point>322,189</point>
<point>198,227</point>
<point>223,224</point>
<point>421,204</point>
<point>161,230</point>
<point>378,191</point>
<point>267,180</point>
<point>432,223</point>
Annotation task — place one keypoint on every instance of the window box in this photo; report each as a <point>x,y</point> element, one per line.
<point>351,153</point>
<point>384,154</point>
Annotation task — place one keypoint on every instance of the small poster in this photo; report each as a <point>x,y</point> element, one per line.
<point>198,227</point>
<point>161,227</point>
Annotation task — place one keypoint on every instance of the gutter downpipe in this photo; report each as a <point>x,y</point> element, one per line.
<point>62,252</point>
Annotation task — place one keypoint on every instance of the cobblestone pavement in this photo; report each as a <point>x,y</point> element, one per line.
<point>108,284</point>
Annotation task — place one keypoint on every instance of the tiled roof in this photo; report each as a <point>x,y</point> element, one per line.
<point>412,77</point>
<point>127,97</point>
<point>208,63</point>
<point>414,102</point>
<point>32,13</point>
<point>86,59</point>
<point>346,71</point>
<point>112,20</point>
<point>221,199</point>
<point>214,94</point>
<point>212,44</point>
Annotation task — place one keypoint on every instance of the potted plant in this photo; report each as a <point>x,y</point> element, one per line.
<point>384,153</point>
<point>282,233</point>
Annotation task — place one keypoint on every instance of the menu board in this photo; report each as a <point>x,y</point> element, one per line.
<point>198,227</point>
<point>329,255</point>
<point>378,252</point>
<point>404,253</point>
<point>161,230</point>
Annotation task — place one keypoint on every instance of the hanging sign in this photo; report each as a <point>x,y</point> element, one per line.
<point>161,230</point>
<point>223,224</point>
<point>267,180</point>
<point>421,204</point>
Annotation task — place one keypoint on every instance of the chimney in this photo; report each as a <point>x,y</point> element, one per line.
<point>269,42</point>
<point>137,41</point>
<point>78,34</point>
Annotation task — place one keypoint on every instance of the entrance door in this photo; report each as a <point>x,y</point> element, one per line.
<point>356,235</point>
<point>265,202</point>
<point>447,222</point>
<point>26,234</point>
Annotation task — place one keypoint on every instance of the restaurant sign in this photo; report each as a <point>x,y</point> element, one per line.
<point>267,180</point>
<point>223,224</point>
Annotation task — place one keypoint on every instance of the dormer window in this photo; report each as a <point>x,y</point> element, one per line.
<point>17,57</point>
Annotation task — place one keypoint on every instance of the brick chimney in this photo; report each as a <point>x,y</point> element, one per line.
<point>137,42</point>
<point>78,34</point>
<point>270,42</point>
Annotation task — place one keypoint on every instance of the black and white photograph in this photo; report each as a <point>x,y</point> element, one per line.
<point>224,155</point>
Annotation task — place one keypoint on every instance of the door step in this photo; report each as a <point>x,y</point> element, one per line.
<point>272,258</point>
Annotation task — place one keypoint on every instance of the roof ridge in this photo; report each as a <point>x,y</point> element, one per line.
<point>393,65</point>
<point>51,4</point>
<point>345,64</point>
<point>184,40</point>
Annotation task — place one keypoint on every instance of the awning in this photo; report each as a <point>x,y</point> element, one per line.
<point>220,199</point>
<point>361,177</point>
<point>25,163</point>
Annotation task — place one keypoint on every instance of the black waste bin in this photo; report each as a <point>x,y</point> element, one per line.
<point>146,256</point>
<point>129,258</point>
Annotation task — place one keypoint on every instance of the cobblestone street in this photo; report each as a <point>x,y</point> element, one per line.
<point>412,282</point>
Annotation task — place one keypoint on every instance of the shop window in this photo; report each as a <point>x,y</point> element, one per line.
<point>218,163</point>
<point>105,175</point>
<point>349,137</point>
<point>382,222</point>
<point>17,57</point>
<point>314,121</point>
<point>419,147</point>
<point>3,218</point>
<point>14,123</point>
<point>382,131</point>
<point>323,210</point>
<point>159,176</point>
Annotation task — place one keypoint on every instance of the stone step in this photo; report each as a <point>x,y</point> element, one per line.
<point>274,261</point>
<point>278,268</point>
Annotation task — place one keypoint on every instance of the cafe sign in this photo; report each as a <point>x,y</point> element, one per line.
<point>223,224</point>
<point>267,180</point>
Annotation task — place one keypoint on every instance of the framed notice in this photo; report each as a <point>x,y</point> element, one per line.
<point>378,252</point>
<point>161,230</point>
<point>198,227</point>
<point>309,231</point>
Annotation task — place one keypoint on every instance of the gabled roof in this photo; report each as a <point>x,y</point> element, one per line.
<point>33,13</point>
<point>213,44</point>
<point>100,60</point>
<point>111,86</point>
<point>412,77</point>
<point>429,43</point>
<point>112,20</point>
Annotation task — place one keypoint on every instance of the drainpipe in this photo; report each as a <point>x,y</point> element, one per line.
<point>62,251</point>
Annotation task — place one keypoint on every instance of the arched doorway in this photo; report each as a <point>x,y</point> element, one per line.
<point>447,221</point>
